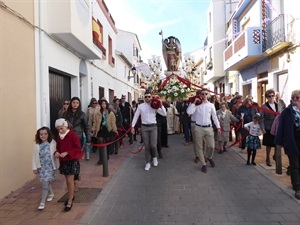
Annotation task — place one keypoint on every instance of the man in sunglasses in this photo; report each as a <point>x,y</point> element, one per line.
<point>203,130</point>
<point>148,127</point>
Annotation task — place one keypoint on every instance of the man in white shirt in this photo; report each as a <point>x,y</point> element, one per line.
<point>148,127</point>
<point>203,129</point>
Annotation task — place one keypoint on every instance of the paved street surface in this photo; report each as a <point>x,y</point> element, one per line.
<point>178,193</point>
<point>174,193</point>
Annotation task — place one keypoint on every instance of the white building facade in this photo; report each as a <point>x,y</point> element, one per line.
<point>263,45</point>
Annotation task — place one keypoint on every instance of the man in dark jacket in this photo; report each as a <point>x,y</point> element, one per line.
<point>125,109</point>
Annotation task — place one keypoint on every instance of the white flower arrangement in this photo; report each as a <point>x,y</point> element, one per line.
<point>174,90</point>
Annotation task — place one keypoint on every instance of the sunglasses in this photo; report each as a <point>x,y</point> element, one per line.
<point>94,103</point>
<point>295,97</point>
<point>204,93</point>
<point>66,103</point>
<point>147,96</point>
<point>270,96</point>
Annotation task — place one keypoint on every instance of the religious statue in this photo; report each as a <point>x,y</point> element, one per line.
<point>171,49</point>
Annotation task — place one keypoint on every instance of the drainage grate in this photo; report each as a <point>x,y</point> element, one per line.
<point>83,195</point>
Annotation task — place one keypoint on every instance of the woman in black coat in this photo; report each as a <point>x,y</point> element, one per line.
<point>288,136</point>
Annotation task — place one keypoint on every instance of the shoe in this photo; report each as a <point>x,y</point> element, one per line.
<point>68,207</point>
<point>297,195</point>
<point>41,206</point>
<point>204,169</point>
<point>99,162</point>
<point>196,160</point>
<point>66,202</point>
<point>50,197</point>
<point>224,150</point>
<point>160,155</point>
<point>268,163</point>
<point>116,152</point>
<point>212,163</point>
<point>147,167</point>
<point>221,152</point>
<point>248,163</point>
<point>186,144</point>
<point>274,158</point>
<point>155,162</point>
<point>253,163</point>
<point>166,146</point>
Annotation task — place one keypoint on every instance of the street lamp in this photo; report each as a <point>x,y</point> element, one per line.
<point>156,69</point>
<point>190,69</point>
<point>133,71</point>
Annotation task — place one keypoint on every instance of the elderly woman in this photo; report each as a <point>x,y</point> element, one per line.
<point>224,116</point>
<point>267,119</point>
<point>288,136</point>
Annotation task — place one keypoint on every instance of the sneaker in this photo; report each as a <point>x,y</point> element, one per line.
<point>50,197</point>
<point>212,163</point>
<point>204,169</point>
<point>297,195</point>
<point>41,206</point>
<point>147,167</point>
<point>155,162</point>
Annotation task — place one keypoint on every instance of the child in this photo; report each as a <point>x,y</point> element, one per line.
<point>68,148</point>
<point>43,162</point>
<point>252,140</point>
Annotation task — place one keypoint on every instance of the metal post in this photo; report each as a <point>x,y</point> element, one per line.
<point>105,161</point>
<point>278,159</point>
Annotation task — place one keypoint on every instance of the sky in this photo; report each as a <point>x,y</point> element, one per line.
<point>184,19</point>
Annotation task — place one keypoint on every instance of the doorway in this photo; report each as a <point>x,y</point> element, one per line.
<point>59,91</point>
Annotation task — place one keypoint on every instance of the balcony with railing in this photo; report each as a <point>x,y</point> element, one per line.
<point>244,49</point>
<point>278,35</point>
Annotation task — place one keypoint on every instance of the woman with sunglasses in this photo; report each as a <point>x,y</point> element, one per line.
<point>288,136</point>
<point>92,109</point>
<point>267,119</point>
<point>63,109</point>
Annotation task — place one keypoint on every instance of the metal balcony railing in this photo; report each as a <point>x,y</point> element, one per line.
<point>277,31</point>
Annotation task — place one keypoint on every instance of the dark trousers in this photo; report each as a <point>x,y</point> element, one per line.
<point>187,131</point>
<point>294,169</point>
<point>164,134</point>
<point>159,142</point>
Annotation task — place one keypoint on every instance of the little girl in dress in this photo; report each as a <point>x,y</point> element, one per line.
<point>44,164</point>
<point>252,140</point>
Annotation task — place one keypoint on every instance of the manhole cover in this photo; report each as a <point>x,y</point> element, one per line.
<point>83,195</point>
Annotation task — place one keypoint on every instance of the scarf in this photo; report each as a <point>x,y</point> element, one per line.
<point>62,136</point>
<point>297,116</point>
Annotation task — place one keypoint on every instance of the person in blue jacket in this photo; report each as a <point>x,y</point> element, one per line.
<point>288,136</point>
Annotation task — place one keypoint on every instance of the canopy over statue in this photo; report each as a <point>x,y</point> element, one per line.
<point>171,49</point>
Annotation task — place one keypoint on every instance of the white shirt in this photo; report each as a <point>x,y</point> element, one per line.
<point>203,113</point>
<point>147,113</point>
<point>255,129</point>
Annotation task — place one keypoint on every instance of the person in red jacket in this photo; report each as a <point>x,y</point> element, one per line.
<point>67,150</point>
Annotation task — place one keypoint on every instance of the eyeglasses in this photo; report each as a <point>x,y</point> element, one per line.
<point>147,96</point>
<point>295,97</point>
<point>204,93</point>
<point>270,96</point>
<point>66,103</point>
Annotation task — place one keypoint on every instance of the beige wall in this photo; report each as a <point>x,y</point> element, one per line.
<point>17,96</point>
